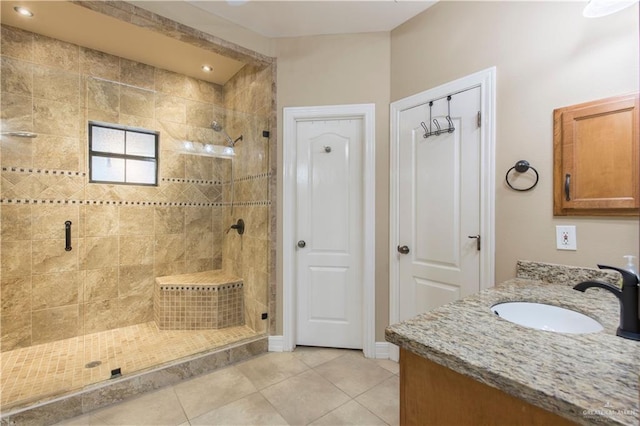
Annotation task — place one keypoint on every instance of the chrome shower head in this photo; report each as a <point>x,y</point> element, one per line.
<point>217,127</point>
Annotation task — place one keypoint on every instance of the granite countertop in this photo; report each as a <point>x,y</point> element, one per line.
<point>588,378</point>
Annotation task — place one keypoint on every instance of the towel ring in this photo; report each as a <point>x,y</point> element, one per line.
<point>521,166</point>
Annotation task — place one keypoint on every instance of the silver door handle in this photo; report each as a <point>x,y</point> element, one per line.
<point>301,244</point>
<point>403,250</point>
<point>477,237</point>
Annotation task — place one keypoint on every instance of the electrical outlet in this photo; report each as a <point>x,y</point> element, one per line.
<point>566,238</point>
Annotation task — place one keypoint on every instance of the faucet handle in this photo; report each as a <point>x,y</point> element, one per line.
<point>628,278</point>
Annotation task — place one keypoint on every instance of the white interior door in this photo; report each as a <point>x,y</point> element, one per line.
<point>439,204</point>
<point>329,230</point>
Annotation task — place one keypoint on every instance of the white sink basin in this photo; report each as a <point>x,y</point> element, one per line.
<point>546,317</point>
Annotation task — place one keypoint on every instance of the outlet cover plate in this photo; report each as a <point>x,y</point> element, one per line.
<point>566,237</point>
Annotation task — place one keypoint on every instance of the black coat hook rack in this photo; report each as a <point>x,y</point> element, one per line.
<point>522,166</point>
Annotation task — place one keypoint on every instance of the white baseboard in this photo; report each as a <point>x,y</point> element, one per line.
<point>276,343</point>
<point>383,350</point>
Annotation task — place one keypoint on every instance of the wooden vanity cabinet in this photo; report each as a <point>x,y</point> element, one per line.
<point>431,394</point>
<point>597,158</point>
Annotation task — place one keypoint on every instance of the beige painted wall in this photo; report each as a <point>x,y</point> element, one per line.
<point>334,70</point>
<point>547,56</point>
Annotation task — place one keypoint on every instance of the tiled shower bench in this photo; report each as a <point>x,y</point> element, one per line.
<point>198,301</point>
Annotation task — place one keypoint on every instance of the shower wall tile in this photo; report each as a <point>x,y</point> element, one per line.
<point>49,221</point>
<point>16,152</point>
<point>173,134</point>
<point>55,53</point>
<point>55,118</point>
<point>15,332</point>
<point>55,84</point>
<point>169,248</point>
<point>200,168</point>
<point>136,280</point>
<point>99,115</point>
<point>16,113</point>
<point>169,220</point>
<point>135,220</point>
<point>172,165</point>
<point>137,121</point>
<point>170,83</point>
<point>57,289</point>
<point>137,102</point>
<point>99,64</point>
<point>17,77</point>
<point>203,135</point>
<point>99,316</point>
<point>53,324</point>
<point>16,259</point>
<point>136,250</point>
<point>199,246</point>
<point>100,253</point>
<point>15,222</point>
<point>57,153</point>
<point>134,309</point>
<point>101,221</point>
<point>201,265</point>
<point>50,256</point>
<point>204,91</point>
<point>100,284</point>
<point>198,220</point>
<point>16,296</point>
<point>103,95</point>
<point>137,74</point>
<point>171,108</point>
<point>199,114</point>
<point>16,43</point>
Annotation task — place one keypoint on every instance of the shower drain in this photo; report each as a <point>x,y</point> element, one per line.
<point>93,364</point>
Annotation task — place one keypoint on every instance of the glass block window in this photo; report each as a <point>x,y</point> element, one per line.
<point>122,155</point>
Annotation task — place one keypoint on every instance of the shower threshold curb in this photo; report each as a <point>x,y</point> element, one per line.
<point>116,390</point>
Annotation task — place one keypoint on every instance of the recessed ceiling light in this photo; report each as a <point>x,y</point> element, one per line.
<point>23,11</point>
<point>207,68</point>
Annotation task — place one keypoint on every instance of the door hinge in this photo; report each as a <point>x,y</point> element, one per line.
<point>479,119</point>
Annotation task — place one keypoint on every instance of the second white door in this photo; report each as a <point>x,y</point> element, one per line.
<point>330,233</point>
<point>439,204</point>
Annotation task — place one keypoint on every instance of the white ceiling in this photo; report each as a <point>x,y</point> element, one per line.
<point>297,18</point>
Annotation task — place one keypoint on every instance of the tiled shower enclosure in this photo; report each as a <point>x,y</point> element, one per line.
<point>122,236</point>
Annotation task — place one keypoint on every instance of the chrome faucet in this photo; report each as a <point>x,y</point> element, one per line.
<point>629,298</point>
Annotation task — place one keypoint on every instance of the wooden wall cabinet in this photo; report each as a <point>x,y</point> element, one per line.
<point>597,158</point>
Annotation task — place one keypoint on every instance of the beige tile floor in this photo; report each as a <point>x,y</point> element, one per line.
<point>310,386</point>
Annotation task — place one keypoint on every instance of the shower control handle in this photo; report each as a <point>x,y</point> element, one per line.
<point>403,250</point>
<point>302,244</point>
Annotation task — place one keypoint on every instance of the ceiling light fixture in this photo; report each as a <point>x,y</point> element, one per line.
<point>599,8</point>
<point>23,11</point>
<point>207,68</point>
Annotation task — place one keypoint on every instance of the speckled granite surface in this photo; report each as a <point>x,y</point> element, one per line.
<point>588,378</point>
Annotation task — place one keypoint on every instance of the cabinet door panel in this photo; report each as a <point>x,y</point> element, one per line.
<point>596,159</point>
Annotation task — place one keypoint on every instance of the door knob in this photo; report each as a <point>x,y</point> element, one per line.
<point>403,250</point>
<point>301,244</point>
